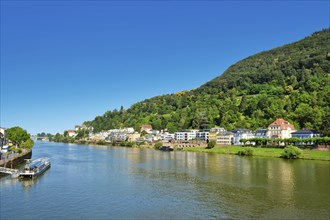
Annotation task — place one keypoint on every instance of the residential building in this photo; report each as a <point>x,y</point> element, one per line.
<point>280,129</point>
<point>185,135</point>
<point>213,134</point>
<point>169,137</point>
<point>117,136</point>
<point>146,128</point>
<point>72,133</point>
<point>241,133</point>
<point>202,135</point>
<point>132,137</point>
<point>225,138</point>
<point>303,134</point>
<point>261,133</point>
<point>2,137</point>
<point>79,127</point>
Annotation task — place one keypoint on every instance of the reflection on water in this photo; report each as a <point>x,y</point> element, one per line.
<point>28,183</point>
<point>116,182</point>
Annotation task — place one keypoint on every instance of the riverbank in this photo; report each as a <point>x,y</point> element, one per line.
<point>16,159</point>
<point>262,152</point>
<point>307,154</point>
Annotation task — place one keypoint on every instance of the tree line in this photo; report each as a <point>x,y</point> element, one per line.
<point>290,82</point>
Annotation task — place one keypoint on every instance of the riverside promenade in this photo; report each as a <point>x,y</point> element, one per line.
<point>13,159</point>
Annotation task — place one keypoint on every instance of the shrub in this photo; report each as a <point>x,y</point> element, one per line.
<point>248,151</point>
<point>158,145</point>
<point>100,142</point>
<point>291,152</point>
<point>210,145</point>
<point>17,150</point>
<point>28,144</point>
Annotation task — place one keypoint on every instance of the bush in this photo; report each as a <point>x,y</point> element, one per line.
<point>17,150</point>
<point>210,145</point>
<point>158,145</point>
<point>248,151</point>
<point>291,152</point>
<point>28,144</point>
<point>100,142</point>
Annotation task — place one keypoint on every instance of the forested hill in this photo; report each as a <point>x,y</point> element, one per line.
<point>292,82</point>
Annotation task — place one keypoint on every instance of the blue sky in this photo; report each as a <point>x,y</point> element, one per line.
<point>65,62</point>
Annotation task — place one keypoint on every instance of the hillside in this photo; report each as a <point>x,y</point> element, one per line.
<point>292,81</point>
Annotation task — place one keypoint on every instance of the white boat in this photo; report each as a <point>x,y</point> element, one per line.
<point>35,168</point>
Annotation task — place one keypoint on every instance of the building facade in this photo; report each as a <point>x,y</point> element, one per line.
<point>241,133</point>
<point>280,129</point>
<point>185,135</point>
<point>2,137</point>
<point>225,138</point>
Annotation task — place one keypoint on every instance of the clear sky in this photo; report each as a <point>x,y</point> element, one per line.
<point>65,62</point>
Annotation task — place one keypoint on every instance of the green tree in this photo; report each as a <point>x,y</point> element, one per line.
<point>28,144</point>
<point>211,144</point>
<point>158,145</point>
<point>17,135</point>
<point>144,133</point>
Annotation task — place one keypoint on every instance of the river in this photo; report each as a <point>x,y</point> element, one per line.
<point>88,182</point>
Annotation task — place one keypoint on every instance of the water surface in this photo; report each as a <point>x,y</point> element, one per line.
<point>87,182</point>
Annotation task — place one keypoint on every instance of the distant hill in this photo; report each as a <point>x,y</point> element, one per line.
<point>292,82</point>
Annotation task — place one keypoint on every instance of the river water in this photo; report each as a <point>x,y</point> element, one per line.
<point>87,182</point>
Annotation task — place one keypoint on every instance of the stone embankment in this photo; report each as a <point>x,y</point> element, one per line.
<point>12,160</point>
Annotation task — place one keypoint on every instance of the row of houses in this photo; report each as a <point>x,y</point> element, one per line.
<point>279,129</point>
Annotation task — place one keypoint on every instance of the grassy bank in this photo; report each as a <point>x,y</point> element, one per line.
<point>262,152</point>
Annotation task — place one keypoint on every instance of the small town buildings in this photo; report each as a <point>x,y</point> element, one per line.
<point>225,138</point>
<point>303,134</point>
<point>147,128</point>
<point>80,127</point>
<point>165,136</point>
<point>241,133</point>
<point>72,133</point>
<point>213,134</point>
<point>168,137</point>
<point>122,134</point>
<point>280,129</point>
<point>117,137</point>
<point>133,137</point>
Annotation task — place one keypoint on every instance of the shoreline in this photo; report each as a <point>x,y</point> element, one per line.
<point>16,159</point>
<point>307,154</point>
<point>262,152</point>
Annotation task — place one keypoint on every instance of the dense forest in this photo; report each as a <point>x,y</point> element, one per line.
<point>292,82</point>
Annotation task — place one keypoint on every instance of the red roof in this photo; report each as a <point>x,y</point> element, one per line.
<point>284,124</point>
<point>146,127</point>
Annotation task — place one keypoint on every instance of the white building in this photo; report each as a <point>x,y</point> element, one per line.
<point>280,129</point>
<point>185,135</point>
<point>225,138</point>
<point>203,135</point>
<point>2,137</point>
<point>240,133</point>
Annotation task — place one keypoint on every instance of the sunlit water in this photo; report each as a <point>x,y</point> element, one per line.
<point>87,182</point>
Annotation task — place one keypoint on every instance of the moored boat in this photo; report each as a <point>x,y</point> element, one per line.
<point>35,168</point>
<point>166,148</point>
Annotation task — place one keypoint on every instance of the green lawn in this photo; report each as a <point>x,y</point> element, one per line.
<point>262,152</point>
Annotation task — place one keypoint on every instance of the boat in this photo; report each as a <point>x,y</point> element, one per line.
<point>35,168</point>
<point>166,148</point>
